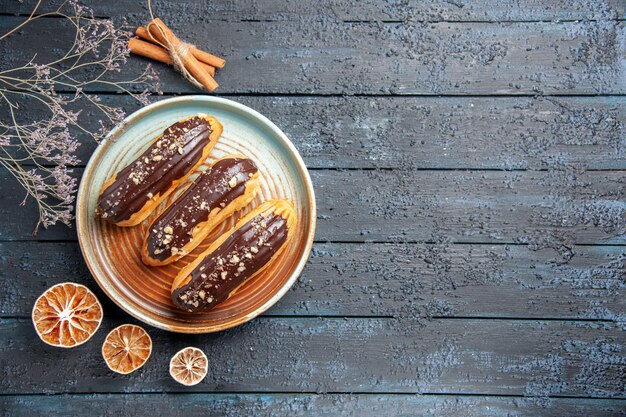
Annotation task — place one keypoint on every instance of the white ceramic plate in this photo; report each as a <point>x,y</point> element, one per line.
<point>112,253</point>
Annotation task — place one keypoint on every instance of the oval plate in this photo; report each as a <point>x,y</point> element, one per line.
<point>112,253</point>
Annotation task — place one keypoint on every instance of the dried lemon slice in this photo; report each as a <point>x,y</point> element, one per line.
<point>67,315</point>
<point>189,366</point>
<point>126,348</point>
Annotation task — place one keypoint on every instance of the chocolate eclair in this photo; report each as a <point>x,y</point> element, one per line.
<point>253,244</point>
<point>227,186</point>
<point>129,197</point>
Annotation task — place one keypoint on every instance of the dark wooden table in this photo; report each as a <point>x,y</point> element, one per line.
<point>469,161</point>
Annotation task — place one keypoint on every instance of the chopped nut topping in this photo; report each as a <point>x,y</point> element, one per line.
<point>174,251</point>
<point>180,150</point>
<point>172,147</point>
<point>248,255</point>
<point>150,195</point>
<point>168,230</point>
<point>241,269</point>
<point>232,182</point>
<point>136,180</point>
<point>254,249</point>
<point>202,294</point>
<point>224,274</point>
<point>203,275</point>
<point>234,259</point>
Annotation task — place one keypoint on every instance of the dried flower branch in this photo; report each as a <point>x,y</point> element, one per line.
<point>39,153</point>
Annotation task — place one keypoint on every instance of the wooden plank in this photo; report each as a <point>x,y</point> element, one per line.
<point>433,132</point>
<point>553,209</point>
<point>318,405</point>
<point>199,11</point>
<point>531,358</point>
<point>543,209</point>
<point>328,57</point>
<point>411,280</point>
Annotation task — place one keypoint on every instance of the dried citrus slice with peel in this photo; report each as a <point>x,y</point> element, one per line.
<point>67,315</point>
<point>126,348</point>
<point>189,366</point>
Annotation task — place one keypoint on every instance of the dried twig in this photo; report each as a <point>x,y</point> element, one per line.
<point>38,153</point>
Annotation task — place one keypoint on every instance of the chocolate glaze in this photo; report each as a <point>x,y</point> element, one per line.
<point>213,189</point>
<point>239,257</point>
<point>168,159</point>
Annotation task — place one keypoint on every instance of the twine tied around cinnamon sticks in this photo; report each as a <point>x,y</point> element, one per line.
<point>158,42</point>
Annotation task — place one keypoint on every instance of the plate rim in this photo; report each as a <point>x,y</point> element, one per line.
<point>118,130</point>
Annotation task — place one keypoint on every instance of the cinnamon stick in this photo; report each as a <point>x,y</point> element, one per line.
<point>157,53</point>
<point>165,36</point>
<point>207,58</point>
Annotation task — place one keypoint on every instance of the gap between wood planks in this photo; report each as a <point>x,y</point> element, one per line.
<point>369,21</point>
<point>311,393</point>
<point>354,95</point>
<point>391,168</point>
<point>266,316</point>
<point>354,242</point>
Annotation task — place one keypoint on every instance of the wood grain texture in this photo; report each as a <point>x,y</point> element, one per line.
<point>554,209</point>
<point>544,209</point>
<point>410,280</point>
<point>305,405</point>
<point>331,57</point>
<point>431,10</point>
<point>538,234</point>
<point>433,132</point>
<point>531,358</point>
